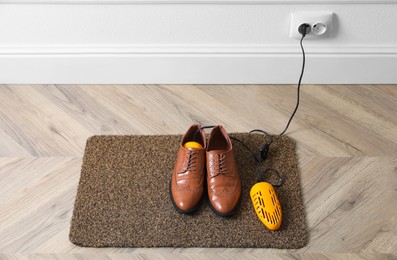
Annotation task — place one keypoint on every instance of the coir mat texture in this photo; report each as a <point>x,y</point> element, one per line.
<point>123,197</point>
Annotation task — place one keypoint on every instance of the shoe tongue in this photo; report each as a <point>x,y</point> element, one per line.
<point>217,151</point>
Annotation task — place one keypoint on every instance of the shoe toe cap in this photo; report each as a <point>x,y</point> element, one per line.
<point>186,201</point>
<point>224,204</point>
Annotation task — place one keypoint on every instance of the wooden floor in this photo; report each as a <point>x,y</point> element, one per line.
<point>347,148</point>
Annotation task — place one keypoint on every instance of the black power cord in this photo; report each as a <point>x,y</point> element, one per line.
<point>303,29</point>
<point>264,148</point>
<point>262,156</point>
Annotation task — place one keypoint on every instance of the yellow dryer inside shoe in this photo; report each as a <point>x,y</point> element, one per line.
<point>266,205</point>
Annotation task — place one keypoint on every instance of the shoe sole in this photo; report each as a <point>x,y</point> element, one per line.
<point>185,211</point>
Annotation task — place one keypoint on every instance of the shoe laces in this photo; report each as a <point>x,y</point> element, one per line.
<point>219,166</point>
<point>190,161</point>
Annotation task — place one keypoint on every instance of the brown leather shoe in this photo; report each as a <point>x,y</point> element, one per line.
<point>224,186</point>
<point>187,182</point>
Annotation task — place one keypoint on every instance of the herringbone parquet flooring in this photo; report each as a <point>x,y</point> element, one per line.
<point>347,148</point>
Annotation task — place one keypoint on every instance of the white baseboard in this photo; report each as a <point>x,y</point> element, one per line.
<point>196,65</point>
<point>198,42</point>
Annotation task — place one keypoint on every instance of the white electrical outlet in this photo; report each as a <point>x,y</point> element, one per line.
<point>320,23</point>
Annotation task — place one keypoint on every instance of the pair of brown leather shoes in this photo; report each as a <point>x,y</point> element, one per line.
<point>222,179</point>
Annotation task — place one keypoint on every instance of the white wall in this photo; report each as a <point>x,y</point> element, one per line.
<point>192,41</point>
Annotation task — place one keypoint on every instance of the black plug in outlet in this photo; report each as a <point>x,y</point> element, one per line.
<point>304,29</point>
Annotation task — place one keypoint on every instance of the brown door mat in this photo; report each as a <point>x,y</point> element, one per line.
<point>123,198</point>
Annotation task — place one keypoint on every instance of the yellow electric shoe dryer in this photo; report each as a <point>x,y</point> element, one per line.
<point>266,204</point>
<point>264,198</point>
